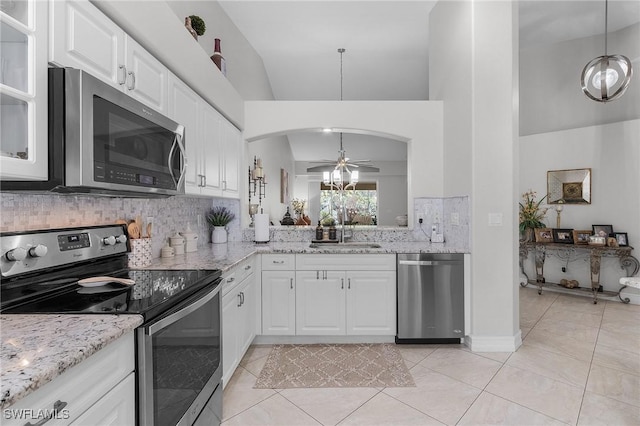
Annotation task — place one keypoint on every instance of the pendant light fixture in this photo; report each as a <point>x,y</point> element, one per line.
<point>606,77</point>
<point>344,167</point>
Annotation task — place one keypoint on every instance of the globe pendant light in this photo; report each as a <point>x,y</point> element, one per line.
<point>607,77</point>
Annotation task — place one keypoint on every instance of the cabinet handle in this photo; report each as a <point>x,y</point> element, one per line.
<point>349,283</point>
<point>291,283</point>
<point>246,268</point>
<point>324,275</point>
<point>58,405</point>
<point>122,78</point>
<point>278,262</point>
<point>317,275</point>
<point>133,80</point>
<point>204,180</point>
<point>224,185</point>
<point>239,300</point>
<point>230,279</point>
<point>342,283</point>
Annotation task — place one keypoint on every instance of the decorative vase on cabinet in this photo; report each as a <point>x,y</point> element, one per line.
<point>219,235</point>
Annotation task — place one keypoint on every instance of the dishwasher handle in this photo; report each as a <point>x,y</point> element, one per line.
<point>430,262</point>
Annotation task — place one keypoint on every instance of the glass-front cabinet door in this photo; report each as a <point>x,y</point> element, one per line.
<point>23,89</point>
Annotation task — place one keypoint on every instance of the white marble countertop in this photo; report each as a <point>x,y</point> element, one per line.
<point>226,256</point>
<point>35,349</point>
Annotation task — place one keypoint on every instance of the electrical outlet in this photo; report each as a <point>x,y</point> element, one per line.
<point>149,219</point>
<point>420,218</point>
<point>455,218</point>
<point>199,220</point>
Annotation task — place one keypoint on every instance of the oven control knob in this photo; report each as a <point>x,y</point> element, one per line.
<point>109,241</point>
<point>38,251</point>
<point>121,239</point>
<point>17,254</point>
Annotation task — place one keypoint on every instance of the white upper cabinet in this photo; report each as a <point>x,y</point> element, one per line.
<point>232,153</point>
<point>23,90</point>
<point>81,36</point>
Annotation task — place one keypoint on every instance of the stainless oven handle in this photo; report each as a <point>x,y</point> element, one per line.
<point>178,143</point>
<point>153,328</point>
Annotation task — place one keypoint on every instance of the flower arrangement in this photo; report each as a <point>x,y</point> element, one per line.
<point>531,214</point>
<point>298,205</point>
<point>219,216</point>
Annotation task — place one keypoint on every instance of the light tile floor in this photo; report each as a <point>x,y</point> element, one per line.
<point>579,365</point>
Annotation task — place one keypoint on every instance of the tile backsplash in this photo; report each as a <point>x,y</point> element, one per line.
<point>441,212</point>
<point>20,212</point>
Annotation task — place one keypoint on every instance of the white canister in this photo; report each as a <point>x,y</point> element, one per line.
<point>176,240</point>
<point>191,240</point>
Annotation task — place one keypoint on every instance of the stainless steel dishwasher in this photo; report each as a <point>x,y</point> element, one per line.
<point>430,298</point>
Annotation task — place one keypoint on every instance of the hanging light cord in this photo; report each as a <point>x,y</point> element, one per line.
<point>341,51</point>
<point>606,22</point>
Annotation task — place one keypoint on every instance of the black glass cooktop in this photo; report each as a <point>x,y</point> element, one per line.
<point>154,291</point>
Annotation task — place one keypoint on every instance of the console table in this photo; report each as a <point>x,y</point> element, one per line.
<point>570,252</point>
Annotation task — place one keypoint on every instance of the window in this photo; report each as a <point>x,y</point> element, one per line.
<point>361,204</point>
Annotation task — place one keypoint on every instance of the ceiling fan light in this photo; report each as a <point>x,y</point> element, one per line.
<point>337,176</point>
<point>326,178</point>
<point>355,175</point>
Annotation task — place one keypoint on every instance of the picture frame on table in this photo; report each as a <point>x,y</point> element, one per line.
<point>622,239</point>
<point>602,230</point>
<point>581,236</point>
<point>543,235</point>
<point>562,235</point>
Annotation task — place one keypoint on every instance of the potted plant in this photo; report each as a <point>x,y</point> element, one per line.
<point>218,219</point>
<point>195,25</point>
<point>531,214</point>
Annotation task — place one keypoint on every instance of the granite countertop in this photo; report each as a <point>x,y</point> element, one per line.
<point>226,256</point>
<point>38,348</point>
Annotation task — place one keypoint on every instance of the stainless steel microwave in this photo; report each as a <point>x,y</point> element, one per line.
<point>113,144</point>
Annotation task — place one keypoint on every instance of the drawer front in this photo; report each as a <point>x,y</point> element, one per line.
<point>278,262</point>
<point>79,387</point>
<point>229,281</point>
<point>245,268</point>
<point>342,262</point>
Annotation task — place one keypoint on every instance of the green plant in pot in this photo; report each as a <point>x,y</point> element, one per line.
<point>218,219</point>
<point>197,23</point>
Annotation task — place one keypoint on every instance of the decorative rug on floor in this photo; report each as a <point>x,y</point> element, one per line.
<point>334,366</point>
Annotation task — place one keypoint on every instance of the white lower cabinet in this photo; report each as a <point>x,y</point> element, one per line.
<point>278,302</point>
<point>238,316</point>
<point>322,295</point>
<point>320,303</point>
<point>98,391</point>
<point>116,408</point>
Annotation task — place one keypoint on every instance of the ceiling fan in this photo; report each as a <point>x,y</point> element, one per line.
<point>344,163</point>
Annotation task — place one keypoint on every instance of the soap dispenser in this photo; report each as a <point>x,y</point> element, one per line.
<point>319,232</point>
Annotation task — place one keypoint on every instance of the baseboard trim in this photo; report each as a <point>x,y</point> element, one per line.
<point>306,340</point>
<point>494,343</point>
<point>633,297</point>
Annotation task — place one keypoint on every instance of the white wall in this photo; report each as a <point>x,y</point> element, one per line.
<point>419,123</point>
<point>612,151</point>
<point>550,84</point>
<point>480,155</point>
<point>275,154</point>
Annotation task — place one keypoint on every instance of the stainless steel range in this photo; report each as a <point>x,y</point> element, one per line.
<point>179,366</point>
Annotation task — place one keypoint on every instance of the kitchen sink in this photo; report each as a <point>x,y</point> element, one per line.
<point>345,246</point>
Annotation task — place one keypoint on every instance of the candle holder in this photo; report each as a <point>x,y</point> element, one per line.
<point>257,184</point>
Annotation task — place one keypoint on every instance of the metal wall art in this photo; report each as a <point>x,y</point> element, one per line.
<point>569,186</point>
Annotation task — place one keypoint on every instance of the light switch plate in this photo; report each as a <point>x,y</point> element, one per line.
<point>495,219</point>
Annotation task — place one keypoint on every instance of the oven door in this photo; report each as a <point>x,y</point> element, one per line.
<point>180,365</point>
<point>115,143</point>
